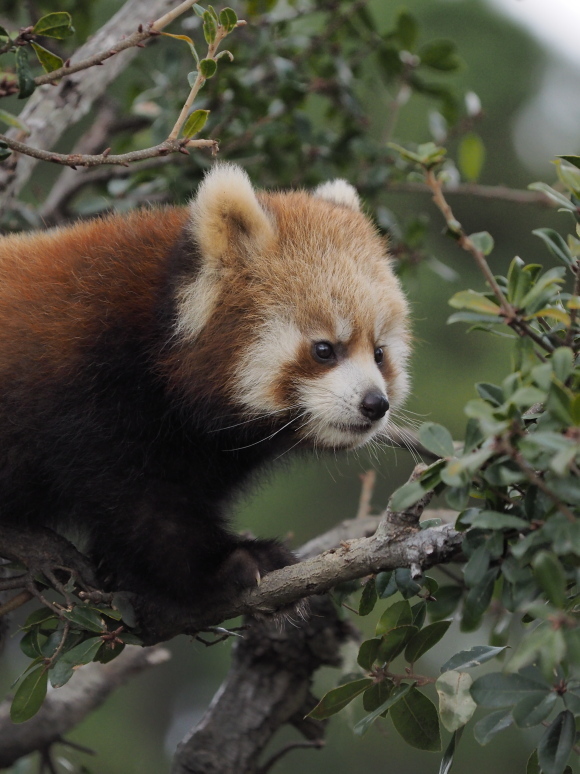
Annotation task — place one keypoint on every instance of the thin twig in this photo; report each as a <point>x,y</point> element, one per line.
<point>495,192</point>
<point>136,39</point>
<point>75,160</point>
<point>316,744</point>
<point>368,484</point>
<point>16,602</point>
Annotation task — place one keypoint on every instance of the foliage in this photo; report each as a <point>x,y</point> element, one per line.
<point>515,479</point>
<point>516,484</point>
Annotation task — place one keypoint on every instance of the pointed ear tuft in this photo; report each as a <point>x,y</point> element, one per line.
<point>226,215</point>
<point>339,192</point>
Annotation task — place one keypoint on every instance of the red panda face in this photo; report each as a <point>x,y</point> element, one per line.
<point>318,318</point>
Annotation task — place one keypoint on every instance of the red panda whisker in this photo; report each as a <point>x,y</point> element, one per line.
<point>269,437</point>
<point>256,418</point>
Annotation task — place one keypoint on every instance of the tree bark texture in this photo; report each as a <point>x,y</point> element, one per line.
<point>51,110</point>
<point>267,687</point>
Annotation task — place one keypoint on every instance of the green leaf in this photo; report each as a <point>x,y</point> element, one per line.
<point>476,302</point>
<point>29,695</point>
<point>424,640</point>
<point>394,642</point>
<point>499,690</point>
<point>54,25</point>
<point>407,30</point>
<point>406,495</point>
<point>81,654</point>
<point>467,659</point>
<point>397,694</point>
<point>471,156</point>
<point>86,618</point>
<point>368,598</point>
<point>405,583</point>
<point>556,743</point>
<point>8,118</point>
<point>447,600</point>
<point>207,67</point>
<point>5,152</point>
<point>386,584</point>
<point>534,709</point>
<point>367,653</point>
<point>550,576</point>
<point>437,439</point>
<point>419,611</point>
<point>338,698</point>
<point>455,703</point>
<point>477,566</point>
<point>416,720</point>
<point>209,28</point>
<point>486,728</point>
<point>122,603</point>
<point>377,694</point>
<point>545,643</point>
<point>195,122</point>
<point>228,19</point>
<point>495,520</point>
<point>555,244</point>
<point>491,393</point>
<point>483,241</point>
<point>574,160</point>
<point>4,32</point>
<point>562,362</point>
<point>555,196</point>
<point>440,55</point>
<point>30,644</point>
<point>26,83</point>
<point>398,614</point>
<point>47,59</point>
<point>41,616</point>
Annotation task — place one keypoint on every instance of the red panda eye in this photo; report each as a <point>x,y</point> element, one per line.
<point>323,351</point>
<point>379,355</point>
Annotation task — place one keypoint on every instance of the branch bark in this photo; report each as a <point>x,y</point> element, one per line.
<point>53,109</point>
<point>68,706</point>
<point>267,687</point>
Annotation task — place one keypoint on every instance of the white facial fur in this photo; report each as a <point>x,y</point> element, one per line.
<point>333,402</point>
<point>305,268</point>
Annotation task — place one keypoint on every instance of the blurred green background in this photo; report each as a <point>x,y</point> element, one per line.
<point>138,728</point>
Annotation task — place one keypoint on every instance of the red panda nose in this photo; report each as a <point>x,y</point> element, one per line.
<point>374,405</point>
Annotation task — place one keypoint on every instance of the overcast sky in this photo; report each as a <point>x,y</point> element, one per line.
<point>555,22</point>
<point>549,124</point>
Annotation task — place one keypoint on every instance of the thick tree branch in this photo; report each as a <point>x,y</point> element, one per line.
<point>68,706</point>
<point>267,687</point>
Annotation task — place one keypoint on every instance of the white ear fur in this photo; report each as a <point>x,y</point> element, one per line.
<point>339,192</point>
<point>226,213</point>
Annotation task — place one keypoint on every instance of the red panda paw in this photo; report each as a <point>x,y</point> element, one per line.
<point>251,560</point>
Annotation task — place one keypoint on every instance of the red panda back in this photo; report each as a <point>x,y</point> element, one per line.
<point>59,287</point>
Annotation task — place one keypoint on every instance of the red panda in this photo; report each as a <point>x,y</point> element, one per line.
<point>150,363</point>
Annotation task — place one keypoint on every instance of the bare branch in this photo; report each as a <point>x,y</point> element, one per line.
<point>75,160</point>
<point>495,192</point>
<point>53,109</point>
<point>267,687</point>
<point>136,39</point>
<point>66,708</point>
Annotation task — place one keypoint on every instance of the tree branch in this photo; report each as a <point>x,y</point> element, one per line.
<point>68,706</point>
<point>53,109</point>
<point>267,687</point>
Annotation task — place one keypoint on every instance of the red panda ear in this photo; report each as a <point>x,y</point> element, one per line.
<point>226,214</point>
<point>339,192</point>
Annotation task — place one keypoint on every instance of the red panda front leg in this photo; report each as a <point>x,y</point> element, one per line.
<point>177,555</point>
